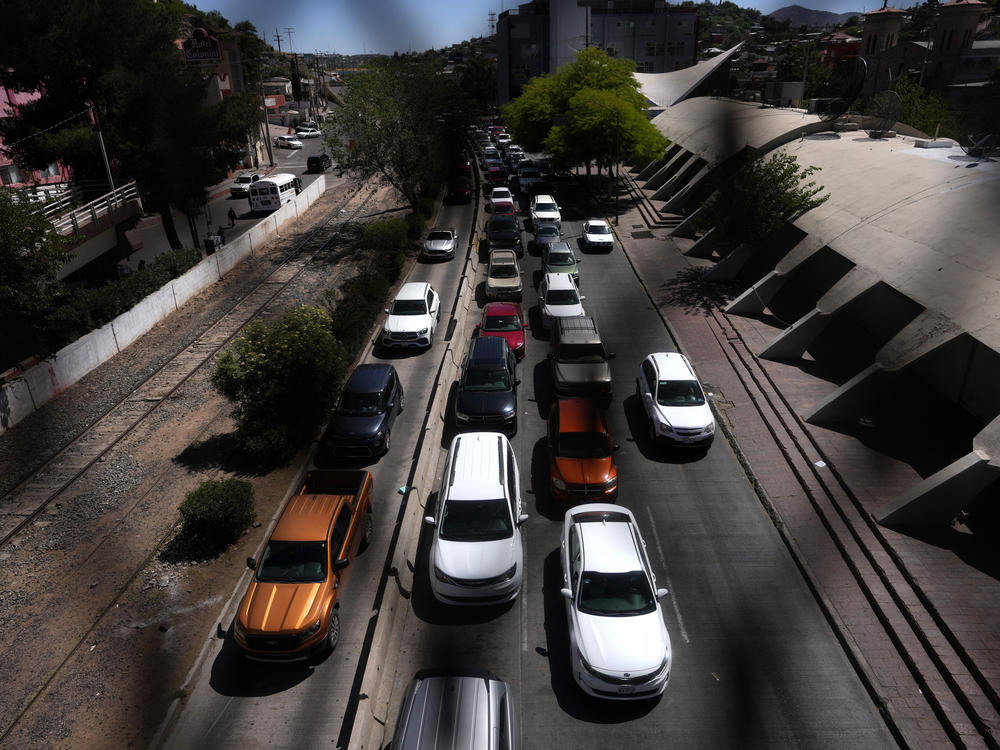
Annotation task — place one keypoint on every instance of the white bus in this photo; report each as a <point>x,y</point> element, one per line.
<point>273,192</point>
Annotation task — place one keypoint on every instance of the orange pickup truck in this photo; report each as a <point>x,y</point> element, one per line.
<point>291,609</point>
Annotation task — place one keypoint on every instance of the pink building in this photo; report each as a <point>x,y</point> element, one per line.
<point>12,175</point>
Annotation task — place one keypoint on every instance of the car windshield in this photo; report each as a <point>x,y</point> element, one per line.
<point>503,271</point>
<point>477,379</point>
<point>439,236</point>
<point>476,521</point>
<point>583,445</point>
<point>408,307</point>
<point>562,297</point>
<point>502,323</point>
<point>616,594</point>
<point>546,230</point>
<point>293,562</point>
<point>359,404</point>
<point>679,393</point>
<point>244,179</point>
<point>561,259</point>
<point>545,206</point>
<point>599,229</point>
<point>581,353</point>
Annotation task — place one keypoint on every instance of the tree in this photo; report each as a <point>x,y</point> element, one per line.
<point>479,81</point>
<point>399,120</point>
<point>757,195</point>
<point>31,254</point>
<point>282,381</point>
<point>925,110</point>
<point>147,101</point>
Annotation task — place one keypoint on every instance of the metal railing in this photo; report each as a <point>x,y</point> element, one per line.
<point>69,218</point>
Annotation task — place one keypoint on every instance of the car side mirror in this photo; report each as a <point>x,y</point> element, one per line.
<point>479,326</point>
<point>429,520</point>
<point>567,593</point>
<point>251,563</point>
<point>616,446</point>
<point>522,518</point>
<point>524,325</point>
<point>385,310</point>
<point>660,593</point>
<point>340,565</point>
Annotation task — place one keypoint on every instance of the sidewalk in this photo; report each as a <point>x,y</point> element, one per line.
<point>919,617</point>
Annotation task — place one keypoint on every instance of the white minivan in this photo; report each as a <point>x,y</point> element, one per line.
<point>476,556</point>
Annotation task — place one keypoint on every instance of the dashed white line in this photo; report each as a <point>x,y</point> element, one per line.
<point>670,584</point>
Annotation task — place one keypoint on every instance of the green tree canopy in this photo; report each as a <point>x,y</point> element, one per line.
<point>925,110</point>
<point>282,380</point>
<point>400,119</point>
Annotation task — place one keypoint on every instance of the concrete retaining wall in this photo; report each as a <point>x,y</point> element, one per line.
<point>23,394</point>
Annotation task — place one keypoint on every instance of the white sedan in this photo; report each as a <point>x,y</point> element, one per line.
<point>287,141</point>
<point>597,234</point>
<point>307,133</point>
<point>619,646</point>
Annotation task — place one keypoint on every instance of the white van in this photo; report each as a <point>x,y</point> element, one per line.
<point>273,192</point>
<point>476,556</point>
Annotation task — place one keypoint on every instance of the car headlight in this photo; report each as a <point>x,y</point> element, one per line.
<point>558,483</point>
<point>423,331</point>
<point>238,629</point>
<point>611,483</point>
<point>508,574</point>
<point>312,629</point>
<point>441,575</point>
<point>586,665</point>
<point>665,426</point>
<point>385,332</point>
<point>461,417</point>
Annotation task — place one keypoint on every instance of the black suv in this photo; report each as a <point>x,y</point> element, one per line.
<point>365,413</point>
<point>319,163</point>
<point>487,395</point>
<point>579,359</point>
<point>504,232</point>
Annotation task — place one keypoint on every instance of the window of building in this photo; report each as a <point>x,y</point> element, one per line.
<point>9,175</point>
<point>654,49</point>
<point>612,50</point>
<point>675,48</point>
<point>645,66</point>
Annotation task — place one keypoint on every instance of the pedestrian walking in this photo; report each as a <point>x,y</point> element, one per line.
<point>222,235</point>
<point>232,217</point>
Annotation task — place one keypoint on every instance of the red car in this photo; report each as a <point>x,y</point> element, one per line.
<point>505,319</point>
<point>504,208</point>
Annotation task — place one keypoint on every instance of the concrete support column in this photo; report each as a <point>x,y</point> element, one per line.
<point>794,340</point>
<point>705,246</point>
<point>652,168</point>
<point>667,170</point>
<point>678,181</point>
<point>687,227</point>
<point>943,495</point>
<point>755,299</point>
<point>676,203</point>
<point>851,400</point>
<point>729,267</point>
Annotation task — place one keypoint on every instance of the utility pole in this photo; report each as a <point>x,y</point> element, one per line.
<point>277,38</point>
<point>288,34</point>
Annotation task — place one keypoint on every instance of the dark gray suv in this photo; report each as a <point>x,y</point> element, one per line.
<point>580,365</point>
<point>362,422</point>
<point>487,392</point>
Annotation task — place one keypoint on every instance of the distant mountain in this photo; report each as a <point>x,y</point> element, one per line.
<point>800,16</point>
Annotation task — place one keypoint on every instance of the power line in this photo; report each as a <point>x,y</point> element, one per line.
<point>46,130</point>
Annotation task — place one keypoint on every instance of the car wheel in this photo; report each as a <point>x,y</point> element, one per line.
<point>333,631</point>
<point>369,531</point>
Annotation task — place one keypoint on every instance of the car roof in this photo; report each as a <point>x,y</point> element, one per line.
<point>307,518</point>
<point>503,256</point>
<point>608,546</point>
<point>543,198</point>
<point>448,711</point>
<point>477,462</point>
<point>559,281</point>
<point>369,378</point>
<point>488,349</point>
<point>672,366</point>
<point>560,245</point>
<point>412,290</point>
<point>502,308</point>
<point>580,415</point>
<point>596,222</point>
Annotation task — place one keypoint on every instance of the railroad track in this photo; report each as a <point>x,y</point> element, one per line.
<point>25,502</point>
<point>927,651</point>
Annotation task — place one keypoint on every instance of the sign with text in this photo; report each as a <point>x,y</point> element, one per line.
<point>201,47</point>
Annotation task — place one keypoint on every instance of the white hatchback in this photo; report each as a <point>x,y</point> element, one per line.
<point>619,645</point>
<point>476,553</point>
<point>558,297</point>
<point>674,401</point>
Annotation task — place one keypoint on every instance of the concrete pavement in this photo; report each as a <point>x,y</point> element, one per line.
<point>919,615</point>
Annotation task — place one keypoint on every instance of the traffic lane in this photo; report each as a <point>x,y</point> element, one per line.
<point>236,703</point>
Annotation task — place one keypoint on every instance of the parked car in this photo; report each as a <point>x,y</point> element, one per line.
<point>496,175</point>
<point>503,276</point>
<point>545,209</point>
<point>504,208</point>
<point>506,320</point>
<point>367,409</point>
<point>451,711</point>
<point>291,608</point>
<point>545,235</point>
<point>287,141</point>
<point>580,362</point>
<point>558,257</point>
<point>440,243</point>
<point>501,194</point>
<point>476,557</point>
<point>241,185</point>
<point>307,133</point>
<point>674,401</point>
<point>504,233</point>
<point>459,190</point>
<point>619,645</point>
<point>597,235</point>
<point>558,297</point>
<point>412,317</point>
<point>490,153</point>
<point>319,162</point>
<point>526,177</point>
<point>487,386</point>
<point>582,467</point>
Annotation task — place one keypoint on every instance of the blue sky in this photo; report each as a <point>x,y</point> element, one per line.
<point>355,26</point>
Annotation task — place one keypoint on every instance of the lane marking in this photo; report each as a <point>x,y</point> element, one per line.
<point>670,584</point>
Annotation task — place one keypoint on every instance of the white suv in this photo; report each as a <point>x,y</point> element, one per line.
<point>544,209</point>
<point>558,297</point>
<point>619,645</point>
<point>476,553</point>
<point>674,401</point>
<point>413,316</point>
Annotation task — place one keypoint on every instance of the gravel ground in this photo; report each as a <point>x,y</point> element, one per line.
<point>102,614</point>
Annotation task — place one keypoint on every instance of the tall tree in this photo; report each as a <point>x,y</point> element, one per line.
<point>116,60</point>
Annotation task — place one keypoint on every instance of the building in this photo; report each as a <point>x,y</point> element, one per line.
<point>37,182</point>
<point>543,35</point>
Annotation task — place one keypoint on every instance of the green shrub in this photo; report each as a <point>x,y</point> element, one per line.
<point>362,301</point>
<point>385,236</point>
<point>425,206</point>
<point>218,511</point>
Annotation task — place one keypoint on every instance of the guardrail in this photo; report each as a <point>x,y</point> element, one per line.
<point>71,221</point>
